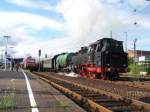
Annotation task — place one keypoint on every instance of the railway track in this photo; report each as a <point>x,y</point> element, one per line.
<point>135,78</point>
<point>94,100</point>
<point>129,90</point>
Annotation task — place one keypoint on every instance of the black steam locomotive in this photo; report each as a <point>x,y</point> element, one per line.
<point>102,59</point>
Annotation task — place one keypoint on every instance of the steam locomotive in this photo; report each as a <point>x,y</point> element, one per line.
<point>102,59</point>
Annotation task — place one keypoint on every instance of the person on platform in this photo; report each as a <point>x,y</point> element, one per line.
<point>17,66</point>
<point>12,66</point>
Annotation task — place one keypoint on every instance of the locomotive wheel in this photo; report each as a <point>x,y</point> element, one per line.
<point>92,76</point>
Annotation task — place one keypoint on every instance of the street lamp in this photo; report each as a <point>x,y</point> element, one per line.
<point>11,57</point>
<point>6,38</point>
<point>2,50</point>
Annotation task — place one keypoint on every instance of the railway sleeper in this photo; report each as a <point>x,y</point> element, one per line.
<point>105,103</point>
<point>67,85</point>
<point>102,100</point>
<point>92,95</point>
<point>78,90</point>
<point>110,103</point>
<point>114,105</point>
<point>124,109</point>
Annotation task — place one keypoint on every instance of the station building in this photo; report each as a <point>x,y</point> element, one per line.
<point>139,54</point>
<point>143,59</point>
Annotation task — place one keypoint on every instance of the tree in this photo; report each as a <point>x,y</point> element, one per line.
<point>130,60</point>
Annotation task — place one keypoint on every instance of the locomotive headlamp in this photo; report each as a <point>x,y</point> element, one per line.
<point>124,65</point>
<point>108,69</point>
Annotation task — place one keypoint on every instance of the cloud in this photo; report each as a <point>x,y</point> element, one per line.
<point>19,27</point>
<point>138,2</point>
<point>50,47</point>
<point>32,4</point>
<point>34,21</point>
<point>88,20</point>
<point>85,21</point>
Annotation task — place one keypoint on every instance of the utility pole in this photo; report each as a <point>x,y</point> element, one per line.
<point>11,59</point>
<point>6,38</point>
<point>126,43</point>
<point>134,42</point>
<point>110,34</point>
<point>1,56</point>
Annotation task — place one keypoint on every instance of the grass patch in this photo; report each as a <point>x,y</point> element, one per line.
<point>136,69</point>
<point>7,101</point>
<point>64,104</point>
<point>26,70</point>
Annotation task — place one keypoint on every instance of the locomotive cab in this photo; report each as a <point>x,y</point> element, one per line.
<point>110,57</point>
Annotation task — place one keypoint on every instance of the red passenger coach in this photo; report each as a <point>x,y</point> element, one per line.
<point>29,63</point>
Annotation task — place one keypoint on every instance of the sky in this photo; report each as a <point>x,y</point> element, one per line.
<point>57,26</point>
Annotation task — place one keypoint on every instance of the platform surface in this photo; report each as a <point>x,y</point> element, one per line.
<point>16,96</point>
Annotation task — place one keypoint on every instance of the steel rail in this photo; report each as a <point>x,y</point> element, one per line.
<point>86,97</point>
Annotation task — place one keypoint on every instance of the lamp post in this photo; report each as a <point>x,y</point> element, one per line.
<point>11,58</point>
<point>6,38</point>
<point>2,50</point>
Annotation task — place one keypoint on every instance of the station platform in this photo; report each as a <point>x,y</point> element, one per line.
<point>22,92</point>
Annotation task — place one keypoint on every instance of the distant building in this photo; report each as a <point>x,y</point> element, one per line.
<point>139,54</point>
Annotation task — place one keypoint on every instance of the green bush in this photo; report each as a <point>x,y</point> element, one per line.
<point>7,101</point>
<point>148,68</point>
<point>135,69</point>
<point>130,61</point>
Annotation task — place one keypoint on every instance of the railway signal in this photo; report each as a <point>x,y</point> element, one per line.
<point>39,59</point>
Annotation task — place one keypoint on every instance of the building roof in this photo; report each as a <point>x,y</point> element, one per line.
<point>139,51</point>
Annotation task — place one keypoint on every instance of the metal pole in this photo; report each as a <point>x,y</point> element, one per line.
<point>110,34</point>
<point>6,37</point>
<point>126,36</point>
<point>11,59</point>
<point>39,64</point>
<point>134,41</point>
<point>39,59</point>
<point>1,56</point>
